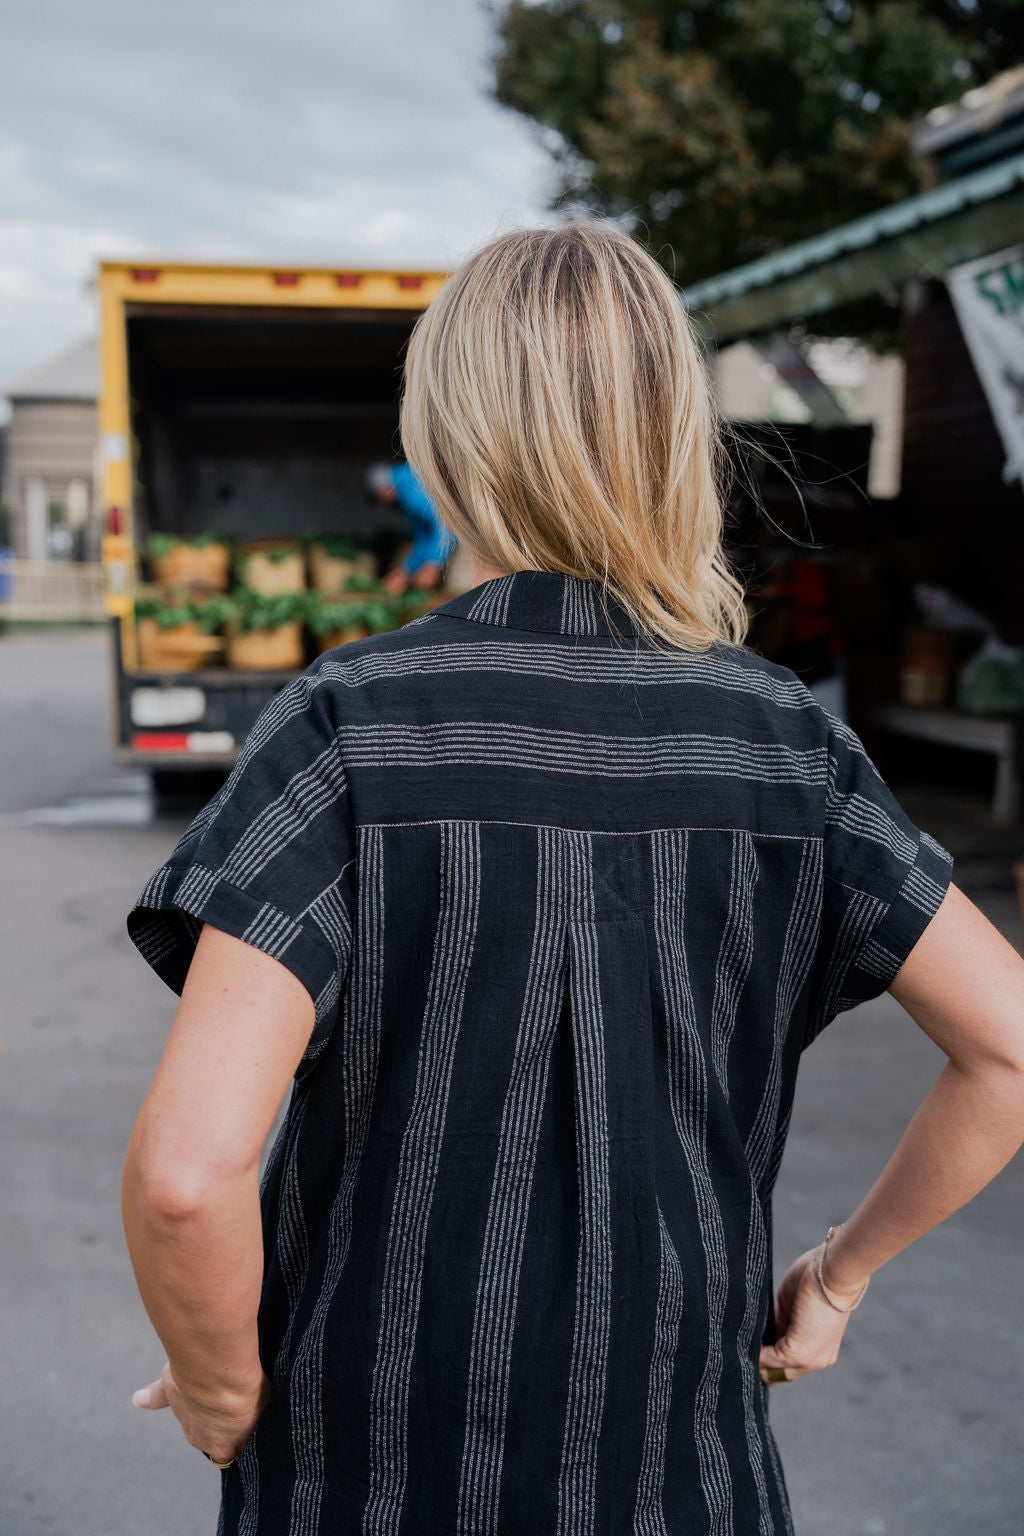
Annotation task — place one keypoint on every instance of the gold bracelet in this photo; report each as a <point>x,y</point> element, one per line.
<point>821,1282</point>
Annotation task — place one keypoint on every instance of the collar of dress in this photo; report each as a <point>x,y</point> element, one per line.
<point>546,601</point>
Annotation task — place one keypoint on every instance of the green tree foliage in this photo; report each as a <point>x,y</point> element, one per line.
<point>724,129</point>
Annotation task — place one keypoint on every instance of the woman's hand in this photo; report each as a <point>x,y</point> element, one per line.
<point>219,1425</point>
<point>808,1330</point>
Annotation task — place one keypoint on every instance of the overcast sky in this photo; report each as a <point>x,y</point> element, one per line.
<point>317,130</point>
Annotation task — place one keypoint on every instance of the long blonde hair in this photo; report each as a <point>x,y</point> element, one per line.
<point>557,411</point>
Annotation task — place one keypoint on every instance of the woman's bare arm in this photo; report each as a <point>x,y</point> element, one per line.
<point>190,1195</point>
<point>963,984</point>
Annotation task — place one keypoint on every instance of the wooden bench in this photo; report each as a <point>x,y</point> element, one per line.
<point>975,733</point>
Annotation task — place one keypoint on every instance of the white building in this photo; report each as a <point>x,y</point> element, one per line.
<point>48,472</point>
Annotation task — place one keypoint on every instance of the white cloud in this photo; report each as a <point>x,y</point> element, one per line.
<point>308,132</point>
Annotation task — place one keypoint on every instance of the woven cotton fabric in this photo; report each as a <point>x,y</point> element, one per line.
<point>570,909</point>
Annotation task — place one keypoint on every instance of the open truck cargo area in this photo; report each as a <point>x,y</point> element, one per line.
<point>242,402</point>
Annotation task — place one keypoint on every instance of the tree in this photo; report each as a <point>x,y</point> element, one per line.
<point>724,129</point>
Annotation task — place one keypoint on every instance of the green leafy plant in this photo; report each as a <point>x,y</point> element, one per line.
<point>332,613</point>
<point>160,545</point>
<point>256,610</point>
<point>174,606</point>
<point>362,602</point>
<point>213,612</point>
<point>275,553</point>
<point>381,615</point>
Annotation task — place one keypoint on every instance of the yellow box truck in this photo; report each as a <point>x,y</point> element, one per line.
<point>242,402</point>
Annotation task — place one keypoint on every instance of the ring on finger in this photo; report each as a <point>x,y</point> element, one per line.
<point>776,1373</point>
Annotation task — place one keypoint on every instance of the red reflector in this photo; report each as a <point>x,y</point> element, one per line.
<point>410,280</point>
<point>161,741</point>
<point>348,279</point>
<point>286,279</point>
<point>115,520</point>
<point>144,274</point>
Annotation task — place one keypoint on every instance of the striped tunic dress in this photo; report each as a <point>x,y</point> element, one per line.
<point>570,909</point>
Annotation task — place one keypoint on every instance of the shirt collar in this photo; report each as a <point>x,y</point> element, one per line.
<point>547,601</point>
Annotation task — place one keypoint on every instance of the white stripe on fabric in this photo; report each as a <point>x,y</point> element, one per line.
<point>577,1479</point>
<point>497,1293</point>
<point>861,817</point>
<point>861,914</point>
<point>922,892</point>
<point>600,664</point>
<point>439,821</point>
<point>501,744</point>
<point>491,607</point>
<point>937,848</point>
<point>847,735</point>
<point>688,1093</point>
<point>794,967</point>
<point>292,1233</point>
<point>755,1267</point>
<point>329,911</point>
<point>155,940</point>
<point>419,1159</point>
<point>649,1516</point>
<point>735,951</point>
<point>773,1456</point>
<point>197,885</point>
<point>153,891</point>
<point>878,961</point>
<point>579,610</point>
<point>305,797</point>
<point>361,1023</point>
<point>249,1474</point>
<point>271,931</point>
<point>293,700</point>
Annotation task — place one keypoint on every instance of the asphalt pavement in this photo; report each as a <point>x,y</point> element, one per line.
<point>916,1430</point>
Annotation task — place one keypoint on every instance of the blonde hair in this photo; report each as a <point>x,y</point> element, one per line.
<point>557,411</point>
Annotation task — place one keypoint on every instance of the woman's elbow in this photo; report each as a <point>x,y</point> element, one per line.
<point>166,1189</point>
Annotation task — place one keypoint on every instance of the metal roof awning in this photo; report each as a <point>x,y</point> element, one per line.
<point>877,254</point>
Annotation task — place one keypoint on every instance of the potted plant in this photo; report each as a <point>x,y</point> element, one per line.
<point>271,566</point>
<point>335,557</point>
<point>264,632</point>
<point>364,608</point>
<point>204,560</point>
<point>337,620</point>
<point>176,628</point>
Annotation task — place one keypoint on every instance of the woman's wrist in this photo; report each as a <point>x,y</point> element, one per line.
<point>843,1283</point>
<point>221,1396</point>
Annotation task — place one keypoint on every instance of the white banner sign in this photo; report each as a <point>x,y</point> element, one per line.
<point>988,296</point>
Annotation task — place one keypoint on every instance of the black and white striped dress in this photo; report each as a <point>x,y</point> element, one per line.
<point>570,909</point>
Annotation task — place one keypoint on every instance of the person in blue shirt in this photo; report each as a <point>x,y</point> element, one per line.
<point>423,566</point>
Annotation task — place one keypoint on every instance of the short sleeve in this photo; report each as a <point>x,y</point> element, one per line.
<point>883,881</point>
<point>270,859</point>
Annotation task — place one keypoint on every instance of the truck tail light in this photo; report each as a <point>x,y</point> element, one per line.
<point>115,520</point>
<point>348,279</point>
<point>410,280</point>
<point>160,741</point>
<point>145,274</point>
<point>286,279</point>
<point>195,742</point>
